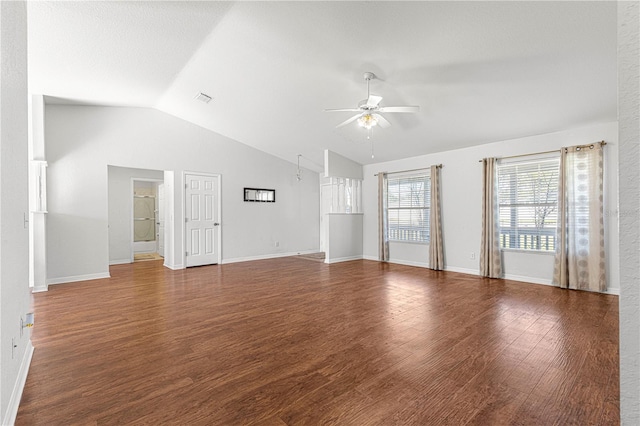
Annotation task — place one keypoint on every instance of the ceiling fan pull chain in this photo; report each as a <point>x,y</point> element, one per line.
<point>372,156</point>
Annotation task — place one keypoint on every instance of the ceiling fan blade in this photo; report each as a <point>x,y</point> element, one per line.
<point>373,101</point>
<point>382,122</point>
<point>343,109</point>
<point>400,109</point>
<point>350,120</point>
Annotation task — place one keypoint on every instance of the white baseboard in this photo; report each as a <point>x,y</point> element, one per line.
<point>462,270</point>
<point>16,394</point>
<point>40,289</point>
<point>365,257</point>
<point>119,261</point>
<point>342,259</point>
<point>410,263</point>
<point>266,256</point>
<point>532,280</point>
<point>173,267</point>
<point>76,278</point>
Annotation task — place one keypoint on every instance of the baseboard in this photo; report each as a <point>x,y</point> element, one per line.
<point>16,395</point>
<point>39,289</point>
<point>375,258</point>
<point>266,256</point>
<point>119,261</point>
<point>462,270</point>
<point>342,259</point>
<point>173,267</point>
<point>410,263</point>
<point>531,280</point>
<point>76,278</point>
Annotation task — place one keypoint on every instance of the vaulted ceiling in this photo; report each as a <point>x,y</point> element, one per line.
<point>480,71</point>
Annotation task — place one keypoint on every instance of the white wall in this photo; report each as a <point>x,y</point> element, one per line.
<point>343,237</point>
<point>461,204</point>
<point>14,244</point>
<point>629,128</point>
<point>335,165</point>
<point>120,209</point>
<point>82,140</point>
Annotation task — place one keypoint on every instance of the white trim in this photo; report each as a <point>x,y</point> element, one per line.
<point>39,289</point>
<point>16,395</point>
<point>366,257</point>
<point>342,259</point>
<point>462,270</point>
<point>119,261</point>
<point>173,267</point>
<point>76,278</point>
<point>532,280</point>
<point>267,256</point>
<point>409,263</point>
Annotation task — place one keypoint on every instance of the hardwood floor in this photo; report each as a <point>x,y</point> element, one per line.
<point>291,342</point>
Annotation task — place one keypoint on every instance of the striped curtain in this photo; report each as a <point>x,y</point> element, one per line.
<point>490,256</point>
<point>580,255</point>
<point>436,250</point>
<point>383,220</point>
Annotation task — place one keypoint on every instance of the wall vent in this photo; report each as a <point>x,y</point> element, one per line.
<point>203,98</point>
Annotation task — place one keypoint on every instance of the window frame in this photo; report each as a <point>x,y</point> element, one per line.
<point>425,207</point>
<point>549,232</point>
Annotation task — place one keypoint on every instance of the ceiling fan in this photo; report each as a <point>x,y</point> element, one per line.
<point>369,110</point>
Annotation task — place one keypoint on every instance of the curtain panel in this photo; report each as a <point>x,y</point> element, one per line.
<point>580,255</point>
<point>490,256</point>
<point>436,249</point>
<point>383,220</point>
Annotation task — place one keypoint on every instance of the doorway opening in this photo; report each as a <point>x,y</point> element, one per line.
<point>148,220</point>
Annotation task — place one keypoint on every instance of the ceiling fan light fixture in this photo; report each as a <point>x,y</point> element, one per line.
<point>367,121</point>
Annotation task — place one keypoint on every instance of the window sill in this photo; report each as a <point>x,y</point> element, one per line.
<point>542,252</point>
<point>419,243</point>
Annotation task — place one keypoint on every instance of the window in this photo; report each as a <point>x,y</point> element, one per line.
<point>408,201</point>
<point>528,203</point>
<point>346,195</point>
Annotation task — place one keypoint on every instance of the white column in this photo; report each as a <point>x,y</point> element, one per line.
<point>629,196</point>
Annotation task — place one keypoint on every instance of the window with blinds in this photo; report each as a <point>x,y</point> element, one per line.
<point>408,202</point>
<point>528,203</point>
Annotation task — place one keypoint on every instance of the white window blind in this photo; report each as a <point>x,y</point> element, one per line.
<point>528,202</point>
<point>408,201</point>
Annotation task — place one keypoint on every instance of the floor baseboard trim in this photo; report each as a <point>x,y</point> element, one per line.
<point>266,256</point>
<point>410,263</point>
<point>16,395</point>
<point>342,259</point>
<point>119,261</point>
<point>76,278</point>
<point>173,267</point>
<point>39,289</point>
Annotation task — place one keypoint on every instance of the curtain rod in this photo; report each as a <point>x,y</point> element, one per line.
<point>602,143</point>
<point>412,170</point>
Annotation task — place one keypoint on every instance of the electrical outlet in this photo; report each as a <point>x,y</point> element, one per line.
<point>277,243</point>
<point>473,256</point>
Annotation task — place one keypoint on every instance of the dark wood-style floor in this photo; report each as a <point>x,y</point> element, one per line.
<point>292,342</point>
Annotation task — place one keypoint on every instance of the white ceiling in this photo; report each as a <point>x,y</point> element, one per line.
<point>480,71</point>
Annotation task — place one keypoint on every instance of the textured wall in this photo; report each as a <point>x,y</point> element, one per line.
<point>629,175</point>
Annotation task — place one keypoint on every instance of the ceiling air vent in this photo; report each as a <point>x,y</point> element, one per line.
<point>203,98</point>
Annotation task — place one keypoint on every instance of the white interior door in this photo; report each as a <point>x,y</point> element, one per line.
<point>160,219</point>
<point>202,224</point>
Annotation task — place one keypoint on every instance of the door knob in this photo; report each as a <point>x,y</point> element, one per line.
<point>216,224</point>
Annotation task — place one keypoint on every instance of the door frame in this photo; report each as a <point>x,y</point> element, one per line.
<point>131,192</point>
<point>184,212</point>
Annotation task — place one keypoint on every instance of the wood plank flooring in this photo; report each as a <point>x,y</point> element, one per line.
<point>293,342</point>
